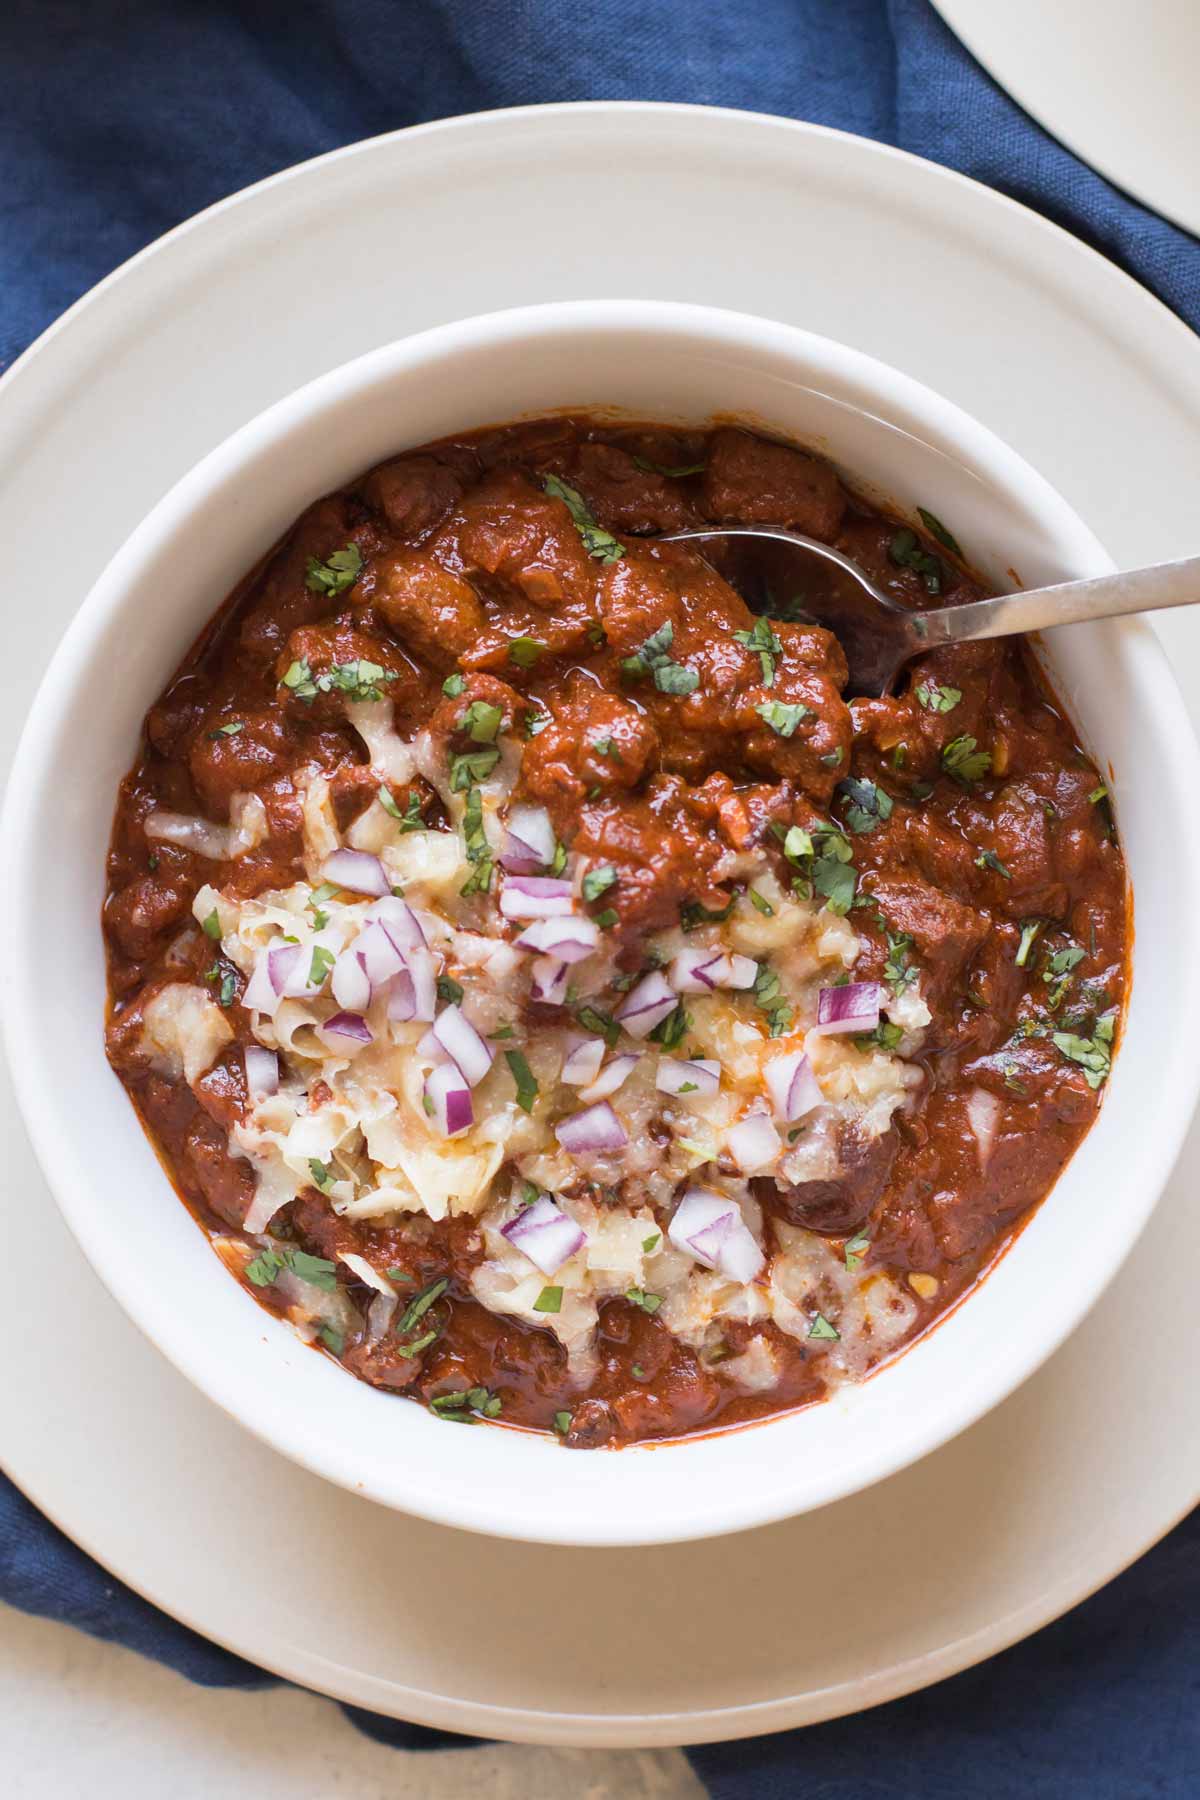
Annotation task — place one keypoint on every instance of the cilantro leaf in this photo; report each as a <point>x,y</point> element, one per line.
<point>936,698</point>
<point>472,766</point>
<point>782,716</point>
<point>865,804</point>
<point>481,722</point>
<point>549,1300</point>
<point>649,1303</point>
<point>769,999</point>
<point>935,528</point>
<point>522,1074</point>
<point>1094,1054</point>
<point>524,651</point>
<point>822,1330</point>
<point>340,571</point>
<point>596,541</point>
<point>763,641</point>
<point>907,552</point>
<point>964,762</point>
<point>453,685</point>
<point>987,859</point>
<point>598,881</point>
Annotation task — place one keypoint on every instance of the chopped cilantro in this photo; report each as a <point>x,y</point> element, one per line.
<point>608,918</point>
<point>1056,973</point>
<point>671,1031</point>
<point>419,1344</point>
<point>964,761</point>
<point>332,1339</point>
<point>598,881</point>
<point>230,730</point>
<point>898,972</point>
<point>782,716</point>
<point>935,528</point>
<point>761,904</point>
<point>562,1423</point>
<point>472,766</point>
<point>767,646</point>
<point>822,1330</point>
<point>1094,1054</point>
<point>907,552</point>
<point>1029,932</point>
<point>885,1036</point>
<point>560,859</point>
<point>522,1074</point>
<point>649,1303</point>
<point>481,722</point>
<point>601,1023</point>
<point>358,680</point>
<point>340,571</point>
<point>692,914</point>
<point>320,1172</point>
<point>524,651</point>
<point>453,685</point>
<point>212,926</point>
<point>449,990</point>
<point>549,1300</point>
<point>654,659</point>
<point>987,859</point>
<point>650,1243</point>
<point>322,961</point>
<point>225,982</point>
<point>313,1269</point>
<point>420,1304</point>
<point>769,999</point>
<point>864,804</point>
<point>637,1371</point>
<point>855,1249</point>
<point>479,851</point>
<point>596,541</point>
<point>936,698</point>
<point>832,758</point>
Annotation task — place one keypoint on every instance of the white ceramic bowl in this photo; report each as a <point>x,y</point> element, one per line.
<point>655,361</point>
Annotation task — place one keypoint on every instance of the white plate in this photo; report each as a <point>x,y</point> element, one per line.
<point>1114,82</point>
<point>1000,1531</point>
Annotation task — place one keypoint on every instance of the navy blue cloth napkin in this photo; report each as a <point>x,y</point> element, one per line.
<point>122,117</point>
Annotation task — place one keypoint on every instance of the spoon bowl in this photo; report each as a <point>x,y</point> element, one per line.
<point>791,576</point>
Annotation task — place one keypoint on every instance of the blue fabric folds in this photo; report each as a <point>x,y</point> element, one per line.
<point>123,117</point>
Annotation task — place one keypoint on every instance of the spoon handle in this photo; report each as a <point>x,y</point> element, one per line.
<point>1067,603</point>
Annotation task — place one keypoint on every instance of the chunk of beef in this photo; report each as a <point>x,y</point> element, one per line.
<point>623,497</point>
<point>236,752</point>
<point>595,744</point>
<point>526,541</point>
<point>414,494</point>
<point>434,612</point>
<point>751,481</point>
<point>945,933</point>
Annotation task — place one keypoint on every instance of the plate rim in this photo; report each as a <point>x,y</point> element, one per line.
<point>714,1723</point>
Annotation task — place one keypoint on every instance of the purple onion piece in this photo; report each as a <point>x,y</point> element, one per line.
<point>754,1144</point>
<point>544,1234</point>
<point>698,971</point>
<point>529,842</point>
<point>583,1061</point>
<point>613,1075</point>
<point>449,1100</point>
<point>398,920</point>
<point>675,1076</point>
<point>380,956</point>
<point>463,1044</point>
<point>402,998</point>
<point>348,1028</point>
<point>709,1227</point>
<point>350,982</point>
<point>595,1129</point>
<point>281,961</point>
<point>262,1072</point>
<point>566,940</point>
<point>536,897</point>
<point>852,1007</point>
<point>549,984</point>
<point>358,871</point>
<point>792,1086</point>
<point>647,1004</point>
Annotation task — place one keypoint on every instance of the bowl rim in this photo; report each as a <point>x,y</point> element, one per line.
<point>896,396</point>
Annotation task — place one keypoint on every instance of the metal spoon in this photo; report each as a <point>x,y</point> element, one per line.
<point>879,635</point>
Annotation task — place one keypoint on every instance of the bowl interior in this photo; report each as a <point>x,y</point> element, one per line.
<point>671,364</point>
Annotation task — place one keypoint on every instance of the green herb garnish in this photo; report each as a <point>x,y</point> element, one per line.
<point>212,926</point>
<point>761,904</point>
<point>522,1074</point>
<point>823,1330</point>
<point>865,804</point>
<point>935,528</point>
<point>453,685</point>
<point>907,552</point>
<point>524,651</point>
<point>987,859</point>
<point>654,659</point>
<point>964,762</point>
<point>596,541</point>
<point>481,722</point>
<point>782,716</point>
<point>936,698</point>
<point>598,881</point>
<point>769,999</point>
<point>765,644</point>
<point>649,1303</point>
<point>420,1304</point>
<point>449,990</point>
<point>335,575</point>
<point>549,1300</point>
<point>1094,1054</point>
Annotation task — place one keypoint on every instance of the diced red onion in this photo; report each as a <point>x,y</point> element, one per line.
<point>460,1040</point>
<point>398,920</point>
<point>449,1098</point>
<point>380,955</point>
<point>544,1234</point>
<point>566,940</point>
<point>529,841</point>
<point>402,998</point>
<point>674,1076</point>
<point>262,1072</point>
<point>597,1128</point>
<point>613,1075</point>
<point>281,965</point>
<point>260,995</point>
<point>348,1030</point>
<point>852,1007</point>
<point>698,971</point>
<point>357,870</point>
<point>743,972</point>
<point>754,1143</point>
<point>549,984</point>
<point>430,1047</point>
<point>792,1086</point>
<point>648,1004</point>
<point>536,897</point>
<point>358,1265</point>
<point>983,1116</point>
<point>350,982</point>
<point>583,1061</point>
<point>423,970</point>
<point>709,1227</point>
